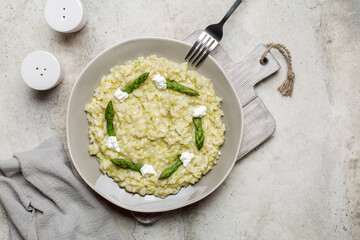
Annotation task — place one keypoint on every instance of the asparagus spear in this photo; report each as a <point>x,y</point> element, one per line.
<point>129,89</point>
<point>126,164</point>
<point>181,88</point>
<point>169,171</point>
<point>109,117</point>
<point>199,136</point>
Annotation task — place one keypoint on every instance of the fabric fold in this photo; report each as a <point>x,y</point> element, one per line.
<point>44,200</point>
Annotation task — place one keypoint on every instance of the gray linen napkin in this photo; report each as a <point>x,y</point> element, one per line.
<point>45,201</point>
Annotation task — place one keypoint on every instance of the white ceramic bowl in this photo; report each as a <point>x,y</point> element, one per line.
<point>77,126</point>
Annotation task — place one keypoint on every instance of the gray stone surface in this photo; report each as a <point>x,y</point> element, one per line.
<point>301,184</point>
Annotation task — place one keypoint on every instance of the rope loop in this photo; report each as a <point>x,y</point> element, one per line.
<point>286,88</point>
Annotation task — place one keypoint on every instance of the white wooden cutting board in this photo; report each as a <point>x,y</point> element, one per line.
<point>259,124</point>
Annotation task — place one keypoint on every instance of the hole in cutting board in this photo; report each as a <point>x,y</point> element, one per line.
<point>266,60</point>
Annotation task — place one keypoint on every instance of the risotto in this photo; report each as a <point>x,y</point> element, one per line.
<point>153,126</point>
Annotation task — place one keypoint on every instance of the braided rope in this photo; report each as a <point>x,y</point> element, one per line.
<point>287,86</point>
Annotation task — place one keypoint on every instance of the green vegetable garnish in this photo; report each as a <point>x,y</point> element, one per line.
<point>135,84</point>
<point>109,117</point>
<point>199,135</point>
<point>180,88</point>
<point>126,164</point>
<point>169,171</point>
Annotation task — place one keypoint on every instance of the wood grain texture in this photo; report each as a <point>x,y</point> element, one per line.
<point>259,124</point>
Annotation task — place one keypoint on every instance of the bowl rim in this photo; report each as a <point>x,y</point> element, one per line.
<point>165,209</point>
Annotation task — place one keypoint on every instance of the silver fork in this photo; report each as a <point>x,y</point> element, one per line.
<point>208,39</point>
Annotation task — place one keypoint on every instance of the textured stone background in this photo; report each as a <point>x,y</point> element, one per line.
<point>301,184</point>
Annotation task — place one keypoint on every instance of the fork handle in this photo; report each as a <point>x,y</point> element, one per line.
<point>231,10</point>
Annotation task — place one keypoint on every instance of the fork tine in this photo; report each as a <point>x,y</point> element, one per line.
<point>212,47</point>
<point>199,49</point>
<point>204,51</point>
<point>202,35</point>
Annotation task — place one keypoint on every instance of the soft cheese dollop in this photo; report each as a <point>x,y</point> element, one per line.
<point>120,95</point>
<point>186,157</point>
<point>159,81</point>
<point>147,170</point>
<point>199,112</point>
<point>113,144</point>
